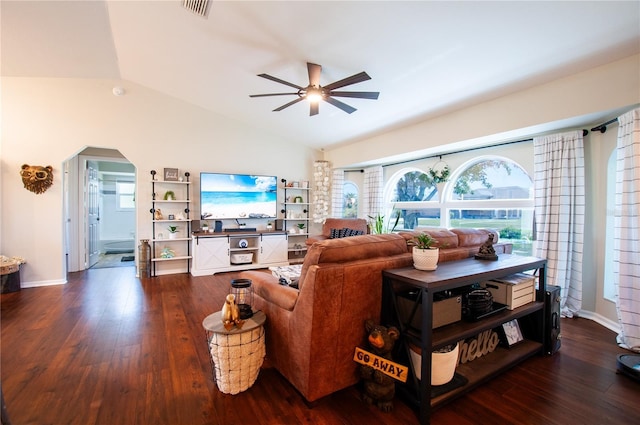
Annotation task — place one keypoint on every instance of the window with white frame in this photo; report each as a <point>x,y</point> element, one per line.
<point>125,195</point>
<point>411,198</point>
<point>350,202</point>
<point>487,192</point>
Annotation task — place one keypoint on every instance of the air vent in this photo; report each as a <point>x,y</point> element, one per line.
<point>199,7</point>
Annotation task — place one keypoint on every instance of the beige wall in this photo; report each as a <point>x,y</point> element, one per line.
<point>520,115</point>
<point>47,121</point>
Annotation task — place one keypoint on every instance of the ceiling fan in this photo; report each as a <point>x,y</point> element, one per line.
<point>314,92</point>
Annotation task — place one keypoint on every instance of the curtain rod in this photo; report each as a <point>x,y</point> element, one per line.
<point>603,127</point>
<point>440,155</point>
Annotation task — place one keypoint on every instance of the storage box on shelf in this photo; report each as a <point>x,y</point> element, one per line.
<point>170,209</point>
<point>295,218</point>
<point>513,291</point>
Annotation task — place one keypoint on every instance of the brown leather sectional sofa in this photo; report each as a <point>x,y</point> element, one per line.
<point>312,332</point>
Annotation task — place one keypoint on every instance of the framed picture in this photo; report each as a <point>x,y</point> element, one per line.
<point>171,174</point>
<point>512,333</point>
<point>172,217</point>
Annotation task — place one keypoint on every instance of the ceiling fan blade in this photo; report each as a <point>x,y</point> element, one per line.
<point>314,74</point>
<point>278,80</point>
<point>272,94</point>
<point>314,108</point>
<point>348,109</point>
<point>357,78</point>
<point>288,104</point>
<point>357,94</point>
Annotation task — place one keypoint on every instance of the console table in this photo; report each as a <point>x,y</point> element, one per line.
<point>450,276</point>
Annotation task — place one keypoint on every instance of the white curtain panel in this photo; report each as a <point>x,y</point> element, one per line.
<point>626,248</point>
<point>337,193</point>
<point>372,191</point>
<point>559,210</point>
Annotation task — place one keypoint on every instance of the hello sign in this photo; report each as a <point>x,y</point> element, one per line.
<point>478,346</point>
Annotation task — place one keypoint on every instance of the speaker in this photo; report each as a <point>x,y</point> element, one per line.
<point>218,226</point>
<point>552,334</point>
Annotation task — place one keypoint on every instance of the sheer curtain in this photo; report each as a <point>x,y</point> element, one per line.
<point>626,250</point>
<point>372,191</point>
<point>337,193</point>
<point>559,210</point>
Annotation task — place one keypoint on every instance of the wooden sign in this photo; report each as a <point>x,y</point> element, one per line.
<point>478,346</point>
<point>389,368</point>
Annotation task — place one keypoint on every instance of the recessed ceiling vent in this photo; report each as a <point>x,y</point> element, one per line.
<point>199,7</point>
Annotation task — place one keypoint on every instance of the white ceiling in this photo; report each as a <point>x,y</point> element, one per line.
<point>425,58</point>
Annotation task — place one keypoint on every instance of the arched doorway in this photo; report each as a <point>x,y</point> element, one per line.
<point>99,203</point>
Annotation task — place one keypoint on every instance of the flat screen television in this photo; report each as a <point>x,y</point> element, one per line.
<point>237,196</point>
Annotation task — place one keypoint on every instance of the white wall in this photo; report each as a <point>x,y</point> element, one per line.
<point>47,121</point>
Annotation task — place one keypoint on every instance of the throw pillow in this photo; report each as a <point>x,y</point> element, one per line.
<point>344,232</point>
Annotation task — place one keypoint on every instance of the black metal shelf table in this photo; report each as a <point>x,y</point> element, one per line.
<point>451,276</point>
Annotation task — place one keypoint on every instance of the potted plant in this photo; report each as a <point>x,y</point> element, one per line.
<point>173,232</point>
<point>169,195</point>
<point>301,227</point>
<point>269,225</point>
<point>204,226</point>
<point>378,227</point>
<point>425,255</point>
<point>439,176</point>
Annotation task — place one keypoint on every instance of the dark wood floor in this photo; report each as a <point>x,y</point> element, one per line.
<point>108,348</point>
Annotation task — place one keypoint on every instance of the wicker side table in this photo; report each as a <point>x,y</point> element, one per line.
<point>236,354</point>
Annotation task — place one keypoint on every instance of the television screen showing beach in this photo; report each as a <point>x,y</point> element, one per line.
<point>236,196</point>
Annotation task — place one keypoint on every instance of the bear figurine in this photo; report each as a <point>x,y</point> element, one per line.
<point>379,388</point>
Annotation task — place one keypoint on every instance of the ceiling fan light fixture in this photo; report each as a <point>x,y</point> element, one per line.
<point>313,94</point>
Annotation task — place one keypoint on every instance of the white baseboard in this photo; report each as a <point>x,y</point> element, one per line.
<point>42,283</point>
<point>607,323</point>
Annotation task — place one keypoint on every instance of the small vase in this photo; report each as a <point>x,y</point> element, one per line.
<point>173,235</point>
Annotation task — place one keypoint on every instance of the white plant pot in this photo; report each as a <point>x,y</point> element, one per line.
<point>443,365</point>
<point>425,259</point>
<point>173,235</point>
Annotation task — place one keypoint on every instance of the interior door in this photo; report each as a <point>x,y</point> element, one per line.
<point>92,207</point>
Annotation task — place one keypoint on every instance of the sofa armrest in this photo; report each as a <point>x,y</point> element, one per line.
<point>315,238</point>
<point>269,288</point>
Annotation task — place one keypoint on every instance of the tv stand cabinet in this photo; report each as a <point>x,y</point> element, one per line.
<point>224,252</point>
<point>449,276</point>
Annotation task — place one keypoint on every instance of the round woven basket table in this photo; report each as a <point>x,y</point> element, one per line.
<point>236,354</point>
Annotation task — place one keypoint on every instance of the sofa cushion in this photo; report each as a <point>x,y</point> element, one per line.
<point>444,238</point>
<point>341,223</point>
<point>473,237</point>
<point>344,250</point>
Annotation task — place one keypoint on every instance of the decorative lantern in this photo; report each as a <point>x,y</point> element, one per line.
<point>243,291</point>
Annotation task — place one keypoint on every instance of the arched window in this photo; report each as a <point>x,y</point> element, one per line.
<point>493,192</point>
<point>350,202</point>
<point>412,194</point>
<point>486,192</point>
